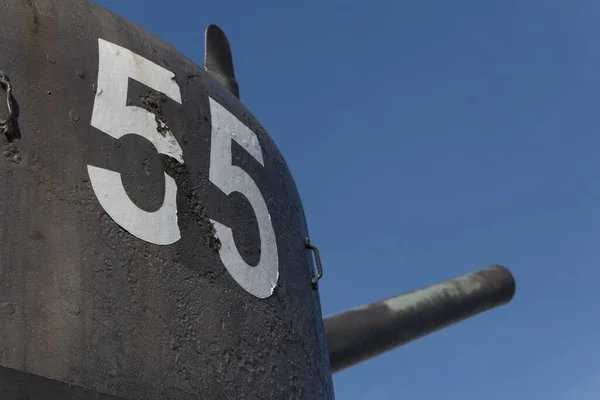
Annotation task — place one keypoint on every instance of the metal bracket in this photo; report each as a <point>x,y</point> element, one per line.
<point>315,279</point>
<point>6,124</point>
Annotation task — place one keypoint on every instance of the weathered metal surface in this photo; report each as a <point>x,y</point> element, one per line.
<point>364,332</point>
<point>23,386</point>
<point>149,310</point>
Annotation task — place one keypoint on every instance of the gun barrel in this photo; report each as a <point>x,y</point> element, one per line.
<point>364,332</point>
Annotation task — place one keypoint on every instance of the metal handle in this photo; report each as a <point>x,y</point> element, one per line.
<point>6,125</point>
<point>315,279</point>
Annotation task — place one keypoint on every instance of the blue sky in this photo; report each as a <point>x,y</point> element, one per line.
<point>429,139</point>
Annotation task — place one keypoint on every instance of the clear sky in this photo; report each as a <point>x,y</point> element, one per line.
<point>429,139</point>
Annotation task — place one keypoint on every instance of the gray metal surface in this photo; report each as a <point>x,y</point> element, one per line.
<point>23,386</point>
<point>364,332</point>
<point>82,300</point>
<point>218,61</point>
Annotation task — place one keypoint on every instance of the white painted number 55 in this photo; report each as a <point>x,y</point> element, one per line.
<point>112,116</point>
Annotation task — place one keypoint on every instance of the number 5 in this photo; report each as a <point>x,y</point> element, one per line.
<point>261,279</point>
<point>112,116</point>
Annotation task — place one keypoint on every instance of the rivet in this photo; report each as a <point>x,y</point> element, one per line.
<point>74,116</point>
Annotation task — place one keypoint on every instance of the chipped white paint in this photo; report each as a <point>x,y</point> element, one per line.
<point>148,226</point>
<point>112,116</point>
<point>261,279</point>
